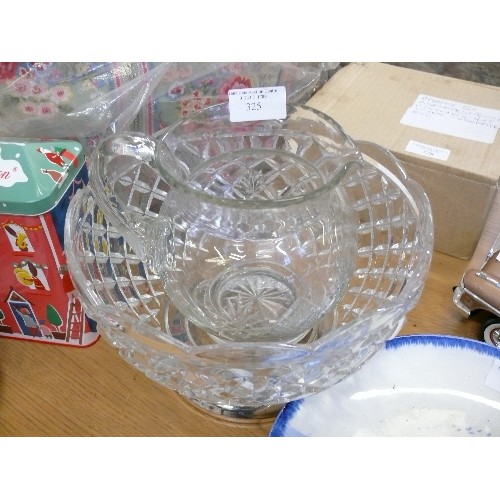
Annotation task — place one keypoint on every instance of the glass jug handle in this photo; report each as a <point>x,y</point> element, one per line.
<point>126,185</point>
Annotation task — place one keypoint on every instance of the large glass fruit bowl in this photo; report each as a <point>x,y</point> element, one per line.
<point>394,241</point>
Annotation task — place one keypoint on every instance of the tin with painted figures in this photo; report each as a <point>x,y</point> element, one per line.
<point>37,299</point>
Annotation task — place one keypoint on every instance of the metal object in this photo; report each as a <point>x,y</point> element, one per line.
<point>479,290</point>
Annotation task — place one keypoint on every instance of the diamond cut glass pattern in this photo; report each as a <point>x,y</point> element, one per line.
<point>237,369</point>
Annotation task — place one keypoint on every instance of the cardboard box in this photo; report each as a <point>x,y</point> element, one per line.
<point>444,131</point>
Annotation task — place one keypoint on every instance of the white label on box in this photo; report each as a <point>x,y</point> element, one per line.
<point>493,378</point>
<point>453,118</point>
<point>259,103</point>
<point>422,149</point>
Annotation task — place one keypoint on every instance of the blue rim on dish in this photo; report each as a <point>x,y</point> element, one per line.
<point>288,411</point>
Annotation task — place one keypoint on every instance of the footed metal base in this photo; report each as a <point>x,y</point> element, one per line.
<point>239,414</point>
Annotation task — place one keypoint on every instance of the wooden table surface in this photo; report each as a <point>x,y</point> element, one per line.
<point>53,390</point>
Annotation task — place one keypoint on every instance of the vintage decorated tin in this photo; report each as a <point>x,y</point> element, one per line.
<point>37,180</point>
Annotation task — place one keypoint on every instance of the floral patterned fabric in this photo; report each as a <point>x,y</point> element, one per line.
<point>46,88</point>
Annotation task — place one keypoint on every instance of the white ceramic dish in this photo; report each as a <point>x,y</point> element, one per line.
<point>419,385</point>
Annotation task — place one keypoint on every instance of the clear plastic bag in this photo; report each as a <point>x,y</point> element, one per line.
<point>88,100</point>
<point>78,100</point>
<point>190,86</point>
